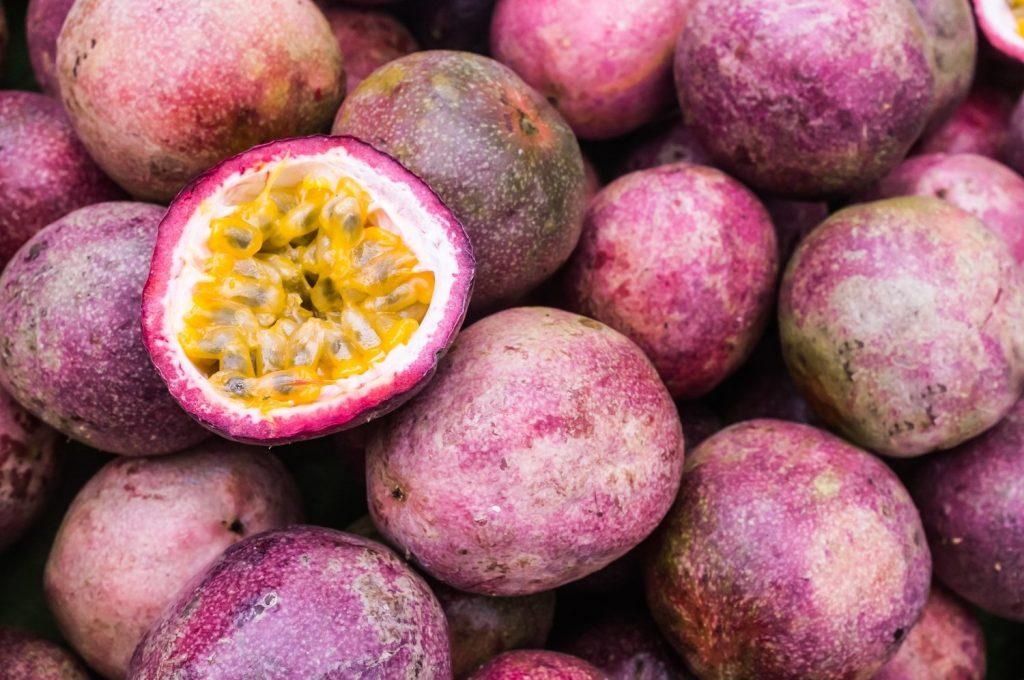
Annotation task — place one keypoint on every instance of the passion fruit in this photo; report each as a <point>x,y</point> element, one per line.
<point>664,144</point>
<point>70,345</point>
<point>1002,22</point>
<point>294,602</point>
<point>497,153</point>
<point>27,657</point>
<point>45,172</point>
<point>1013,152</point>
<point>141,528</point>
<point>42,26</point>
<point>978,126</point>
<point>901,324</point>
<point>954,38</point>
<point>607,75</point>
<point>759,571</point>
<point>303,287</point>
<point>368,39</point>
<point>697,301</point>
<point>545,448</point>
<point>814,122</point>
<point>207,80</point>
<point>537,664</point>
<point>28,467</point>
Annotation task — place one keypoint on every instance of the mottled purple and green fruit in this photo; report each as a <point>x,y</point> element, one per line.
<point>368,39</point>
<point>27,657</point>
<point>954,38</point>
<point>538,665</point>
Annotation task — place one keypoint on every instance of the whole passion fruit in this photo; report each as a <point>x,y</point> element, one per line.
<point>979,126</point>
<point>368,39</point>
<point>45,172</point>
<point>760,569</point>
<point>499,156</point>
<point>607,74</point>
<point>207,80</point>
<point>1002,22</point>
<point>683,260</point>
<point>813,121</point>
<point>901,324</point>
<point>303,287</point>
<point>42,26</point>
<point>545,448</point>
<point>27,657</point>
<point>70,342</point>
<point>950,27</point>
<point>538,665</point>
<point>294,603</point>
<point>28,468</point>
<point>142,528</point>
<point>1013,151</point>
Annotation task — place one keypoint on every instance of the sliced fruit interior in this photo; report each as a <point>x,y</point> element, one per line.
<point>1017,8</point>
<point>303,285</point>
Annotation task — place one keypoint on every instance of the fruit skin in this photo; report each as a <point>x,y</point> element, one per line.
<point>824,125</point>
<point>294,602</point>
<point>70,345</point>
<point>669,142</point>
<point>607,75</point>
<point>683,260</point>
<point>1013,152</point>
<point>25,656</point>
<point>999,26</point>
<point>189,102</point>
<point>481,627</point>
<point>946,643</point>
<point>184,382</point>
<point>973,511</point>
<point>981,186</point>
<point>759,570</point>
<point>368,39</point>
<point>495,151</point>
<point>545,448</point>
<point>453,24</point>
<point>141,528</point>
<point>28,469</point>
<point>950,27</point>
<point>979,125</point>
<point>901,324</point>
<point>42,26</point>
<point>45,172</point>
<point>537,665</point>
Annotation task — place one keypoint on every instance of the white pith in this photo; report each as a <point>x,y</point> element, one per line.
<point>400,211</point>
<point>998,17</point>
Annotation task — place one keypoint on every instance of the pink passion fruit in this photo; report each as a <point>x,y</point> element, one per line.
<point>303,287</point>
<point>1002,22</point>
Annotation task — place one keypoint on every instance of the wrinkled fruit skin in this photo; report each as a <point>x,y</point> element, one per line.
<point>368,40</point>
<point>189,102</point>
<point>979,125</point>
<point>301,602</point>
<point>682,259</point>
<point>972,506</point>
<point>545,448</point>
<point>42,26</point>
<point>495,151</point>
<point>70,340</point>
<point>608,74</point>
<point>28,469</point>
<point>900,323</point>
<point>538,665</point>
<point>824,123</point>
<point>946,643</point>
<point>142,528</point>
<point>26,656</point>
<point>950,27</point>
<point>760,570</point>
<point>481,627</point>
<point>45,172</point>
<point>981,186</point>
<point>1013,152</point>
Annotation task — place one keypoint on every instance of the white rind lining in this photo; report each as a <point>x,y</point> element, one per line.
<point>999,18</point>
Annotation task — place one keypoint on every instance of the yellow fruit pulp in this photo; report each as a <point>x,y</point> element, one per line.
<point>303,287</point>
<point>1017,7</point>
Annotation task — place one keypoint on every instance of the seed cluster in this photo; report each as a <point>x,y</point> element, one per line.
<point>1017,7</point>
<point>304,286</point>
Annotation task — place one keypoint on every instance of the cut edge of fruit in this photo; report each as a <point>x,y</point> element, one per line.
<point>1002,22</point>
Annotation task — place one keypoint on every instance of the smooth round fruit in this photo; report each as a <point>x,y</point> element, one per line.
<point>545,448</point>
<point>495,151</point>
<point>670,142</point>
<point>1000,21</point>
<point>206,80</point>
<point>981,186</point>
<point>368,39</point>
<point>142,528</point>
<point>788,554</point>
<point>45,172</point>
<point>537,665</point>
<point>291,603</point>
<point>27,657</point>
<point>303,287</point>
<point>950,27</point>
<point>901,324</point>
<point>605,65</point>
<point>28,469</point>
<point>972,505</point>
<point>819,123</point>
<point>70,343</point>
<point>979,125</point>
<point>42,26</point>
<point>481,627</point>
<point>946,643</point>
<point>682,259</point>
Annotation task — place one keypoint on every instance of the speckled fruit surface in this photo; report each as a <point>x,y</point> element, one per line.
<point>42,26</point>
<point>368,39</point>
<point>26,657</point>
<point>538,665</point>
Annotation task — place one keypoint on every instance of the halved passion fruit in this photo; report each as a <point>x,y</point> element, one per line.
<point>303,287</point>
<point>1002,22</point>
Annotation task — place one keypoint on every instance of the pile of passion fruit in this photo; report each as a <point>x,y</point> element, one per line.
<point>512,340</point>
